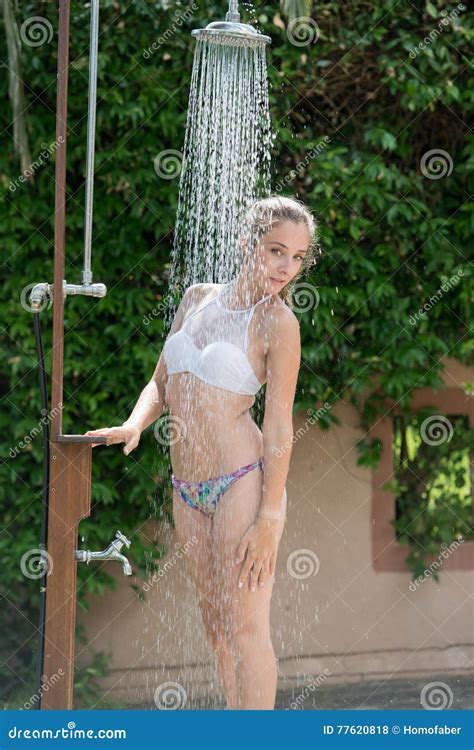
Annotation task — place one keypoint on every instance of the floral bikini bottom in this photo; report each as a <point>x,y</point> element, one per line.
<point>204,496</point>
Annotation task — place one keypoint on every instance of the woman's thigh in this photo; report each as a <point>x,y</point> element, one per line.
<point>194,531</point>
<point>242,610</point>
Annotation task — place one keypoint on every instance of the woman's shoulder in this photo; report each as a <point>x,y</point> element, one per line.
<point>280,322</point>
<point>202,286</point>
<point>278,310</point>
<point>196,291</point>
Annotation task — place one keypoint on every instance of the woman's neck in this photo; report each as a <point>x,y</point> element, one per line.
<point>242,294</point>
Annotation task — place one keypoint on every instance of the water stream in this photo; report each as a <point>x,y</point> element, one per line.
<point>226,161</point>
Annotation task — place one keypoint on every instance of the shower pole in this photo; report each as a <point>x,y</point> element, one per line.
<point>233,12</point>
<point>70,455</point>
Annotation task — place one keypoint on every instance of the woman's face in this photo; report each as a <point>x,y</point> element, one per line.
<point>282,251</point>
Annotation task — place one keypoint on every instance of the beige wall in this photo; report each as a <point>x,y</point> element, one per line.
<point>345,618</point>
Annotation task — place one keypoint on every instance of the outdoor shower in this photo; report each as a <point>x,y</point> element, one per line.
<point>231,31</point>
<point>226,155</point>
<point>226,152</point>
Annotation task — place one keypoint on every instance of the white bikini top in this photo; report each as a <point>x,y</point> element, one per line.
<point>213,347</point>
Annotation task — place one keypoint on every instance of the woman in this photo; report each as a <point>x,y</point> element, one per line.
<point>229,494</point>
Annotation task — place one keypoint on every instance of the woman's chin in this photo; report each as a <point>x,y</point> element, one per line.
<point>276,284</point>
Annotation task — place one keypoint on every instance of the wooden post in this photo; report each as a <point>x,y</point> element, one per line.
<point>70,455</point>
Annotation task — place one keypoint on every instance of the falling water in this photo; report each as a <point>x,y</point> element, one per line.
<point>225,168</point>
<point>226,159</point>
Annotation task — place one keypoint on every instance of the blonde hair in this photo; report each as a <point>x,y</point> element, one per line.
<point>264,213</point>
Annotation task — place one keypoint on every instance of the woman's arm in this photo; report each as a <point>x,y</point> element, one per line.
<point>258,547</point>
<point>151,402</point>
<point>283,363</point>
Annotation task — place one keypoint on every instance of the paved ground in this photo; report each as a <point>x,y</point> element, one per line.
<point>379,695</point>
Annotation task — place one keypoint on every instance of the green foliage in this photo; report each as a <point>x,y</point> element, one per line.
<point>389,235</point>
<point>87,691</point>
<point>432,484</point>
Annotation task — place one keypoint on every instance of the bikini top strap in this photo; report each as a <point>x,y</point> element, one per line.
<point>252,310</point>
<point>213,299</point>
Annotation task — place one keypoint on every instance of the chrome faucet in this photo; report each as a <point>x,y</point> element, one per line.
<point>112,552</point>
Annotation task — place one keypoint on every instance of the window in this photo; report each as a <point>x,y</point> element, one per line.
<point>422,491</point>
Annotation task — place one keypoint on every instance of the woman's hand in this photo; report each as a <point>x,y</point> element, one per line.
<point>126,433</point>
<point>259,547</point>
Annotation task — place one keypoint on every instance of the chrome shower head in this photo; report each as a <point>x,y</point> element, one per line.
<point>231,31</point>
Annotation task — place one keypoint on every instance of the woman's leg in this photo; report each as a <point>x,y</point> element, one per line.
<point>245,614</point>
<point>193,528</point>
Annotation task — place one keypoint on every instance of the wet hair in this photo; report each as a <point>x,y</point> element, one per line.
<point>265,213</point>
